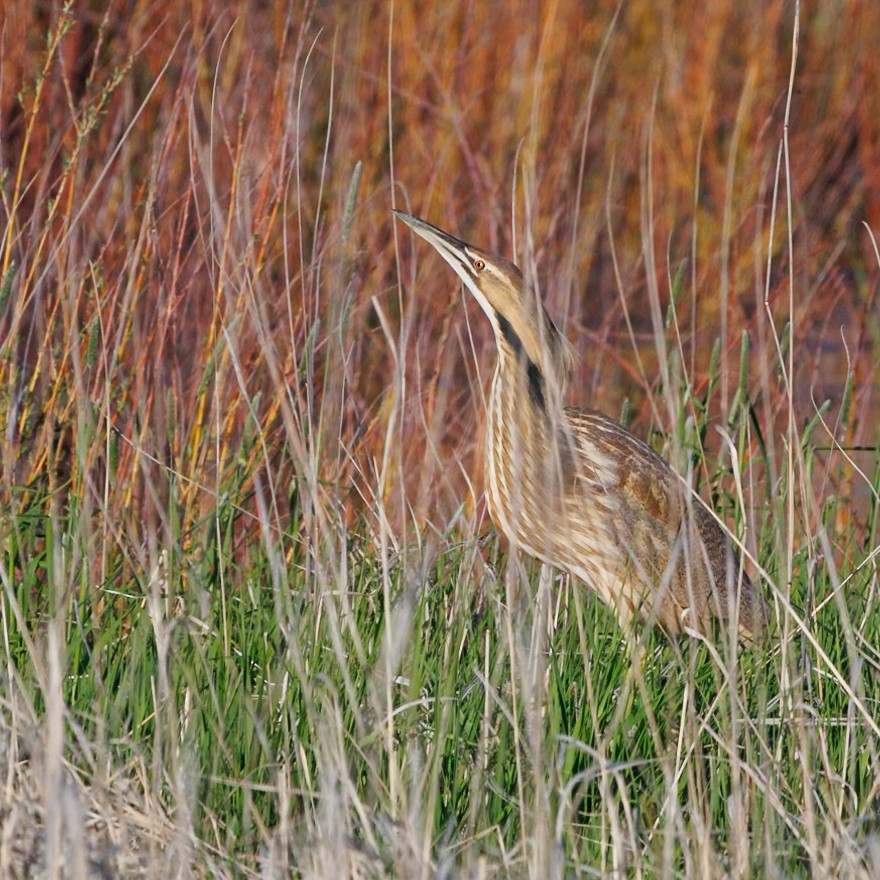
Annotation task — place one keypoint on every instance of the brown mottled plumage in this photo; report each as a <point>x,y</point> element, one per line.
<point>576,489</point>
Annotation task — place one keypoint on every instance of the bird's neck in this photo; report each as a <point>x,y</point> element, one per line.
<point>527,455</point>
<point>534,377</point>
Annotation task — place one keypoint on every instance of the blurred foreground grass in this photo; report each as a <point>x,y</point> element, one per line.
<point>203,716</point>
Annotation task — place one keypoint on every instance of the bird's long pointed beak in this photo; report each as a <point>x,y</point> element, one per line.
<point>448,245</point>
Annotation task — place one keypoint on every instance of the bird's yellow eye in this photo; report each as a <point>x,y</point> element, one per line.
<point>479,265</point>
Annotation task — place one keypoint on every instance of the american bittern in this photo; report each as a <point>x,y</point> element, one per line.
<point>577,490</point>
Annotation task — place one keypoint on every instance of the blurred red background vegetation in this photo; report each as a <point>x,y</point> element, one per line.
<point>177,261</point>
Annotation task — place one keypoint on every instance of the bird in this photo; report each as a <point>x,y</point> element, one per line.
<point>576,490</point>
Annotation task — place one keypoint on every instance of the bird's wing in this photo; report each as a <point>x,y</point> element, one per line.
<point>637,472</point>
<point>645,484</point>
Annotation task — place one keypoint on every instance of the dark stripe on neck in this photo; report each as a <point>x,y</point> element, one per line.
<point>533,372</point>
<point>536,386</point>
<point>509,335</point>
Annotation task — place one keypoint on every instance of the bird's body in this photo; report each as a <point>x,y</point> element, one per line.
<point>578,491</point>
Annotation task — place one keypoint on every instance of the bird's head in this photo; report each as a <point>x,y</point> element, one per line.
<point>521,325</point>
